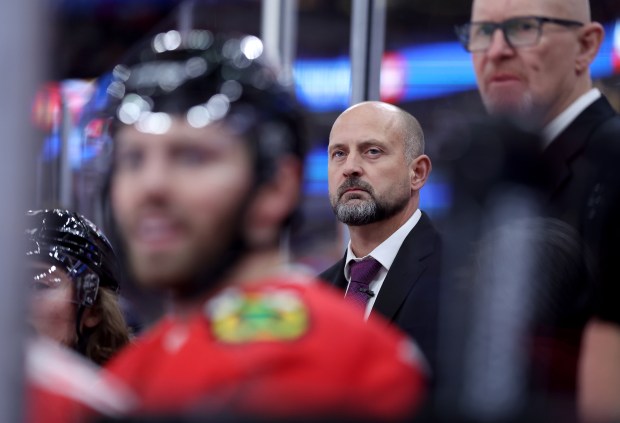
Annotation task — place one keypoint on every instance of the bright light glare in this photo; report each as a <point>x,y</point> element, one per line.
<point>252,47</point>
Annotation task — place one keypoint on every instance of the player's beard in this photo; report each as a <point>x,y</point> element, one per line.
<point>200,264</point>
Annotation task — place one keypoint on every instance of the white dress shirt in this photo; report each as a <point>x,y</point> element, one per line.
<point>561,122</point>
<point>384,253</point>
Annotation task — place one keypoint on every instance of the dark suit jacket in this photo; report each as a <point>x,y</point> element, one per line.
<point>584,166</point>
<point>576,162</point>
<point>409,295</point>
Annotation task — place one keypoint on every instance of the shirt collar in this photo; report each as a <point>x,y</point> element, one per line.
<point>561,122</point>
<point>385,253</point>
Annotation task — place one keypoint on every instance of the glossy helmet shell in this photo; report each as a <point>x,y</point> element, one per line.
<point>207,78</point>
<point>73,242</point>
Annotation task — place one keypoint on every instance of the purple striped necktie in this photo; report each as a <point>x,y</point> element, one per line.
<point>362,273</point>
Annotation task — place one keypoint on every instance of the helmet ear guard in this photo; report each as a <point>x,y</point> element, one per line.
<point>87,288</point>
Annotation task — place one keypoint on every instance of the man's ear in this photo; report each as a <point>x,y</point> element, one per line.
<point>420,171</point>
<point>274,202</point>
<point>590,39</point>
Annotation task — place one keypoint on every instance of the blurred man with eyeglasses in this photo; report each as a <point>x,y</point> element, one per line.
<point>531,59</point>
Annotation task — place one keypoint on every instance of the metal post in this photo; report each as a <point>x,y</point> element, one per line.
<point>279,35</point>
<point>367,45</point>
<point>65,199</point>
<point>185,16</point>
<point>21,25</point>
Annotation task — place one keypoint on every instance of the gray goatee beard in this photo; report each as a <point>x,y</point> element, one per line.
<point>363,212</point>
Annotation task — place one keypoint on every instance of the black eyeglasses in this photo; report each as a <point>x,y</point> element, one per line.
<point>522,31</point>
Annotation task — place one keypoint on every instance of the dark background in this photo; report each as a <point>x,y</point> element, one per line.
<point>90,36</point>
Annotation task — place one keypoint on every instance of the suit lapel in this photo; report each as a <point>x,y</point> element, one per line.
<point>408,266</point>
<point>559,155</point>
<point>340,281</point>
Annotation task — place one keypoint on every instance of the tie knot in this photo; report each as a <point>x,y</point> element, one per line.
<point>365,270</point>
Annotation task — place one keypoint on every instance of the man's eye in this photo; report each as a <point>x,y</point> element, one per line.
<point>374,151</point>
<point>522,26</point>
<point>192,156</point>
<point>129,159</point>
<point>39,286</point>
<point>45,284</point>
<point>337,154</point>
<point>485,29</point>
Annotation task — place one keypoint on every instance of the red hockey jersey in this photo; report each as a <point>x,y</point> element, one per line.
<point>278,349</point>
<point>64,387</point>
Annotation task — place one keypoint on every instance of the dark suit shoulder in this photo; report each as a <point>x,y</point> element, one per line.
<point>422,241</point>
<point>597,121</point>
<point>428,238</point>
<point>605,140</point>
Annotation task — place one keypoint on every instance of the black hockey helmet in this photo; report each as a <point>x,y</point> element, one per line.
<point>208,78</point>
<point>74,243</point>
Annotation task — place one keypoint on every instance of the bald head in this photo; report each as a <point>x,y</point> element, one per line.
<point>395,120</point>
<point>578,10</point>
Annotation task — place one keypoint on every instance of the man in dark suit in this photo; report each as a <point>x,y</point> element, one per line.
<point>532,59</point>
<point>376,169</point>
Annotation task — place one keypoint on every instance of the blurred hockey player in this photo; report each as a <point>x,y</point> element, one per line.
<point>206,178</point>
<point>75,318</point>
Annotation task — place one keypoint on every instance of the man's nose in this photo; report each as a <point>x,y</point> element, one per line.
<point>499,46</point>
<point>154,177</point>
<point>352,166</point>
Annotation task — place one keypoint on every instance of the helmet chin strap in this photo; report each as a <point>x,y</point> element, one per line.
<point>82,338</point>
<point>87,287</point>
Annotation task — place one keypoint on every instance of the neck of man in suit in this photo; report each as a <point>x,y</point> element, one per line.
<point>365,238</point>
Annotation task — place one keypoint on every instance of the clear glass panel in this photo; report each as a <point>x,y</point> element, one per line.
<point>90,37</point>
<point>322,74</point>
<point>424,70</point>
<point>428,73</point>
